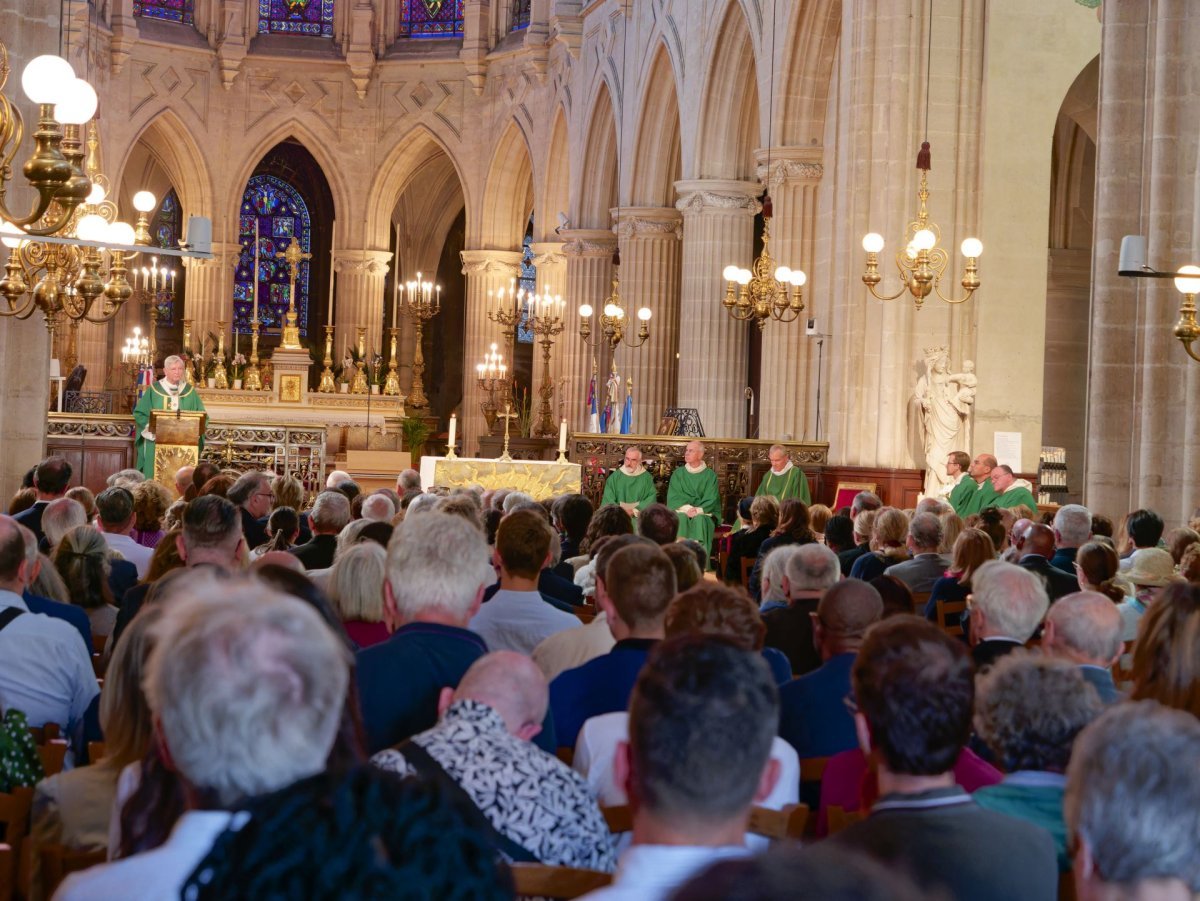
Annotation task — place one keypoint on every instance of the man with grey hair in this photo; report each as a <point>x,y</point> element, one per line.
<point>253,495</point>
<point>126,478</point>
<point>1072,530</point>
<point>61,516</point>
<point>1085,628</point>
<point>422,503</point>
<point>864,500</point>
<point>931,505</point>
<point>330,513</point>
<point>337,477</point>
<point>927,565</point>
<point>513,499</point>
<point>247,690</point>
<point>541,810</point>
<point>437,569</point>
<point>171,393</point>
<point>811,571</point>
<point>695,495</point>
<point>378,508</point>
<point>783,480</point>
<point>1132,804</point>
<point>408,480</point>
<point>1007,606</point>
<point>774,568</point>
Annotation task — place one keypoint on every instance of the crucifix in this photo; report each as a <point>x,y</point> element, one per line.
<point>293,256</point>
<point>508,415</point>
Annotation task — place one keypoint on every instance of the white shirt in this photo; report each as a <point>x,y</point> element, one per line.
<point>519,621</point>
<point>597,746</point>
<point>152,875</point>
<point>652,872</point>
<point>45,671</point>
<point>135,553</point>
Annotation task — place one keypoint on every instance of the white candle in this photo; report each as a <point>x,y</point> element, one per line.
<point>453,430</point>
<point>332,229</point>
<point>562,437</point>
<point>254,315</point>
<point>235,341</point>
<point>396,282</point>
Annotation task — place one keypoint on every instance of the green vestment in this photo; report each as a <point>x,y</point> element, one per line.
<point>1015,496</point>
<point>698,489</point>
<point>622,488</point>
<point>156,397</point>
<point>970,496</point>
<point>792,483</point>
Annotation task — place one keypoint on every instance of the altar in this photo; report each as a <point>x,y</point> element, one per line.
<point>539,479</point>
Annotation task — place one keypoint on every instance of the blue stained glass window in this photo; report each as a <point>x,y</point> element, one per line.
<point>164,232</point>
<point>526,281</point>
<point>313,17</point>
<point>280,211</point>
<point>180,11</point>
<point>520,14</point>
<point>431,18</point>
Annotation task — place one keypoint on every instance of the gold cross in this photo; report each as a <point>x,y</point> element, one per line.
<point>507,416</point>
<point>293,255</point>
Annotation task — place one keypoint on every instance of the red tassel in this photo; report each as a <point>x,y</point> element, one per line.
<point>767,209</point>
<point>923,161</point>
<point>616,260</point>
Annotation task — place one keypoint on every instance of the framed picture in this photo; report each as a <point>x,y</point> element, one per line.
<point>844,495</point>
<point>667,426</point>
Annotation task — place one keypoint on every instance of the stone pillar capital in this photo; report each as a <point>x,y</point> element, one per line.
<point>496,263</point>
<point>790,165</point>
<point>223,254</point>
<point>589,242</point>
<point>648,222</point>
<point>718,195</point>
<point>362,262</point>
<point>548,253</point>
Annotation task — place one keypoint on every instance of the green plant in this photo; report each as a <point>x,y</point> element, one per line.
<point>416,432</point>
<point>524,411</point>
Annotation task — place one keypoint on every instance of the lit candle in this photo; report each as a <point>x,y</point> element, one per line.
<point>173,273</point>
<point>453,430</point>
<point>562,437</point>
<point>254,315</point>
<point>332,228</point>
<point>438,303</point>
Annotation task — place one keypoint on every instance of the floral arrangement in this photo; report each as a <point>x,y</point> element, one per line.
<point>238,365</point>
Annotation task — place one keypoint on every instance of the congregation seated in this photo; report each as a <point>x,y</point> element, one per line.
<point>51,478</point>
<point>972,549</point>
<point>151,501</point>
<point>330,514</point>
<point>688,568</point>
<point>709,609</point>
<point>1008,603</point>
<point>927,563</point>
<point>774,596</point>
<point>745,544</point>
<point>659,523</point>
<point>253,497</point>
<point>1166,656</point>
<point>82,561</point>
<point>811,571</point>
<point>116,517</point>
<point>534,806</point>
<point>572,516</point>
<point>889,532</point>
<point>1149,571</point>
<point>47,593</point>
<point>1085,629</point>
<point>792,529</point>
<point>283,531</point>
<point>60,516</point>
<point>1143,530</point>
<point>1036,551</point>
<point>355,588</point>
<point>1072,530</point>
<point>609,520</point>
<point>862,514</point>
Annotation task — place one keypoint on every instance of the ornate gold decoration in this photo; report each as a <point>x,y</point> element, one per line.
<point>293,256</point>
<point>508,416</point>
<point>327,385</point>
<point>289,389</point>
<point>391,387</point>
<point>764,286</point>
<point>359,385</point>
<point>538,479</point>
<point>169,458</point>
<point>420,304</point>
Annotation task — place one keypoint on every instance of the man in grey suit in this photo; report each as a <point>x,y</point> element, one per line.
<point>1085,628</point>
<point>926,565</point>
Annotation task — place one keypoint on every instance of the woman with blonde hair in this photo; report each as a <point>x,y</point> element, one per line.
<point>952,527</point>
<point>289,492</point>
<point>355,588</point>
<point>972,549</point>
<point>150,504</point>
<point>888,535</point>
<point>818,517</point>
<point>81,558</point>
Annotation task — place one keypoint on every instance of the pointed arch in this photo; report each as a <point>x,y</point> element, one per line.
<point>599,184</point>
<point>168,143</point>
<point>418,149</point>
<point>556,190</point>
<point>813,38</point>
<point>508,192</point>
<point>656,156</point>
<point>729,119</point>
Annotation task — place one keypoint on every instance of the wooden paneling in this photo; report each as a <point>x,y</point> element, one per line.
<point>897,487</point>
<point>92,460</point>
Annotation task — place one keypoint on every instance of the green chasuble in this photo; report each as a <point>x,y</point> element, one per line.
<point>697,489</point>
<point>970,496</point>
<point>157,397</point>
<point>792,483</point>
<point>622,488</point>
<point>1017,495</point>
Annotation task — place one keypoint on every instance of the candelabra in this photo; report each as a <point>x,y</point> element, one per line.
<point>219,373</point>
<point>546,323</point>
<point>252,377</point>
<point>508,312</point>
<point>327,385</point>
<point>420,304</point>
<point>293,256</point>
<point>764,287</point>
<point>613,321</point>
<point>135,354</point>
<point>493,379</point>
<point>186,352</point>
<point>359,384</point>
<point>391,385</point>
<point>153,288</point>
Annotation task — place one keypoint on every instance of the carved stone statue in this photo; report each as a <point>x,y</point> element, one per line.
<point>940,413</point>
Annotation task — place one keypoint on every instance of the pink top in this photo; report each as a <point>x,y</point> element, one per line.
<point>365,634</point>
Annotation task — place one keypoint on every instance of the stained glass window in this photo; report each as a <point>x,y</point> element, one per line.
<point>313,17</point>
<point>526,281</point>
<point>165,231</point>
<point>431,18</point>
<point>280,212</point>
<point>168,10</point>
<point>520,14</point>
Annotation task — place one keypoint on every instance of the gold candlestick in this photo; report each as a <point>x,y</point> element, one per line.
<point>187,349</point>
<point>508,415</point>
<point>391,387</point>
<point>327,385</point>
<point>221,376</point>
<point>252,380</point>
<point>359,384</point>
<point>420,304</point>
<point>293,256</point>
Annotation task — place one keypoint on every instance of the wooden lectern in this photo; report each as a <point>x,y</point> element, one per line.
<point>177,435</point>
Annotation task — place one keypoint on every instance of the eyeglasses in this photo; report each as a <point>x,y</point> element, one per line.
<point>270,494</point>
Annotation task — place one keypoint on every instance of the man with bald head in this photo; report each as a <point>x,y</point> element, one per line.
<point>783,480</point>
<point>1011,491</point>
<point>1036,552</point>
<point>1085,628</point>
<point>533,805</point>
<point>695,496</point>
<point>976,492</point>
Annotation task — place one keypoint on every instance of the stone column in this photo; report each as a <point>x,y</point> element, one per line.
<point>208,290</point>
<point>718,229</point>
<point>650,249</point>
<point>551,265</point>
<point>486,270</point>
<point>787,401</point>
<point>589,281</point>
<point>359,300</point>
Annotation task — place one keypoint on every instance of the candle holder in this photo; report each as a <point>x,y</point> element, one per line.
<point>391,386</point>
<point>293,256</point>
<point>419,305</point>
<point>493,379</point>
<point>152,292</point>
<point>546,323</point>
<point>359,384</point>
<point>252,378</point>
<point>562,457</point>
<point>220,374</point>
<point>508,416</point>
<point>187,352</point>
<point>327,385</point>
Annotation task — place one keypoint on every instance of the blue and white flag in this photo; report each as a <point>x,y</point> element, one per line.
<point>627,412</point>
<point>593,411</point>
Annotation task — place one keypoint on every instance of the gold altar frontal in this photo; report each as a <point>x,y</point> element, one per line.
<point>539,479</point>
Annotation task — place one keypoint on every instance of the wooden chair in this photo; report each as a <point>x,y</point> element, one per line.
<point>98,665</point>
<point>619,818</point>
<point>43,734</point>
<point>98,643</point>
<point>545,881</point>
<point>8,872</point>
<point>944,610</point>
<point>95,751</point>
<point>1066,886</point>
<point>840,818</point>
<point>920,599</point>
<point>747,568</point>
<point>812,768</point>
<point>583,616</point>
<point>786,823</point>
<point>14,815</point>
<point>58,862</point>
<point>53,754</point>
<point>566,754</point>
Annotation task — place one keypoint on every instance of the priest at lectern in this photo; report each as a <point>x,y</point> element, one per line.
<point>171,393</point>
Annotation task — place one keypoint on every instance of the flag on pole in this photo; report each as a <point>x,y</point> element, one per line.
<point>145,377</point>
<point>627,410</point>
<point>593,412</point>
